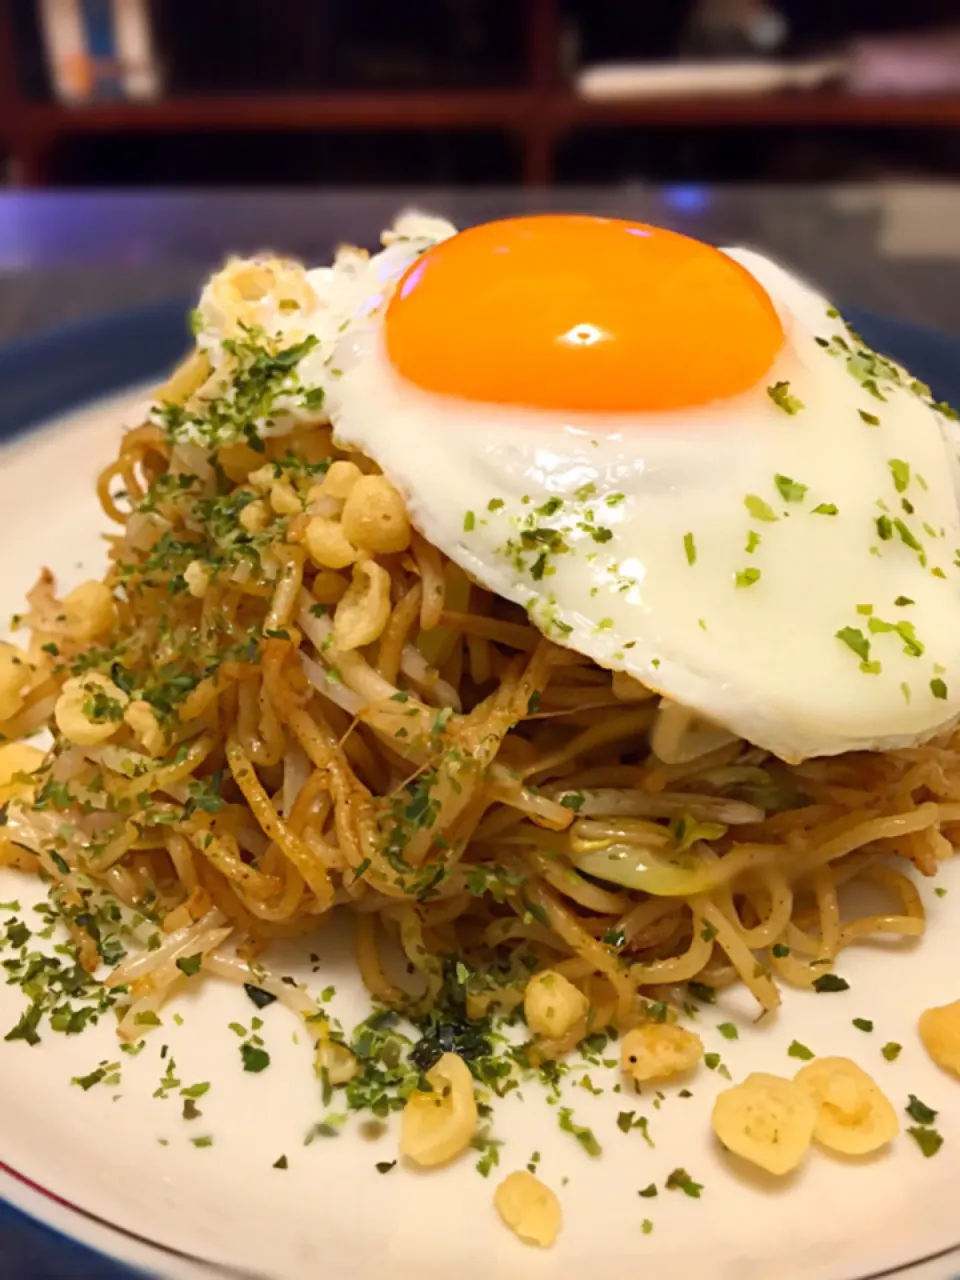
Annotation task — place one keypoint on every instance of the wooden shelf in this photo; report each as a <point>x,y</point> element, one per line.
<point>538,112</point>
<point>797,107</point>
<point>438,110</point>
<point>558,111</point>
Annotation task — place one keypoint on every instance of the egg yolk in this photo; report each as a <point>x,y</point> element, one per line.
<point>581,314</point>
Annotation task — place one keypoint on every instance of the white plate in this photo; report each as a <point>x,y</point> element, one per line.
<point>331,1213</point>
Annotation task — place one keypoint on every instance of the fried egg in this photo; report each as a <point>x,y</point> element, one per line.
<point>679,460</point>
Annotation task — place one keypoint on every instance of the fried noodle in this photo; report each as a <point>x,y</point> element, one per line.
<point>265,751</point>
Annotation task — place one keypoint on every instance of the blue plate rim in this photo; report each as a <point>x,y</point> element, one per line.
<point>70,365</point>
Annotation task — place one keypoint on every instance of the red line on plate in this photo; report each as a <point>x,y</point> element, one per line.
<point>123,1231</point>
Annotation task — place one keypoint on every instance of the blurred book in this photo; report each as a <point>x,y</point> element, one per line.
<point>607,82</point>
<point>136,49</point>
<point>913,64</point>
<point>99,49</point>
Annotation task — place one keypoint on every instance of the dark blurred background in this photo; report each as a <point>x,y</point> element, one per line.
<point>444,92</point>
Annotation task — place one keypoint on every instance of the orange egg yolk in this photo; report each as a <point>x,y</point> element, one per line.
<point>581,314</point>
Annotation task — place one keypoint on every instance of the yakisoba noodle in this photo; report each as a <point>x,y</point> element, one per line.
<point>281,702</point>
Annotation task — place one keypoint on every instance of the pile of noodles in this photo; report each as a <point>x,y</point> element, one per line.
<point>455,786</point>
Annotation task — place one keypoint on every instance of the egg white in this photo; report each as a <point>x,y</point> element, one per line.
<point>642,496</point>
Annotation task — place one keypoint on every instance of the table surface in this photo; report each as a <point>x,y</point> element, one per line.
<point>893,248</point>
